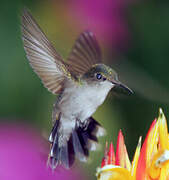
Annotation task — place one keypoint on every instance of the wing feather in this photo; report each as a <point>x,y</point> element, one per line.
<point>84,54</point>
<point>42,56</point>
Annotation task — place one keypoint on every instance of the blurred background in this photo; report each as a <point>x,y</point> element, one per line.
<point>134,37</point>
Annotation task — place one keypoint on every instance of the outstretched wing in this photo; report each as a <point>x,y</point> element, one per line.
<point>85,53</point>
<point>42,56</point>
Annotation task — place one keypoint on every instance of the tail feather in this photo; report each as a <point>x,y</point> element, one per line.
<point>71,151</point>
<point>64,157</point>
<point>54,132</point>
<point>90,132</point>
<point>80,142</point>
<point>78,147</point>
<point>59,155</point>
<point>84,142</point>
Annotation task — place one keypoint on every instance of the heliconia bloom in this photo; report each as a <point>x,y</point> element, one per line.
<point>150,162</point>
<point>118,166</point>
<point>154,158</point>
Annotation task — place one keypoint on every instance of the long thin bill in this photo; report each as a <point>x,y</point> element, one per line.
<point>121,88</point>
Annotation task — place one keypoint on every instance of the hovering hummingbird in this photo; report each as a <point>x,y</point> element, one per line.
<point>82,82</point>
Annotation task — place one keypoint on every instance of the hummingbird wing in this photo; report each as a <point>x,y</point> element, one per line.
<point>42,56</point>
<point>85,53</point>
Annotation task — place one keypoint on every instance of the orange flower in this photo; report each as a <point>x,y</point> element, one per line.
<point>154,157</point>
<point>118,166</point>
<point>150,162</point>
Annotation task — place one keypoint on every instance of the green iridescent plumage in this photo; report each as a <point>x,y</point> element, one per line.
<point>106,72</point>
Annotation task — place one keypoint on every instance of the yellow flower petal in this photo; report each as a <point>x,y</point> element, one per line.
<point>112,172</point>
<point>153,170</point>
<point>152,143</point>
<point>160,163</point>
<point>135,159</point>
<point>165,172</point>
<point>163,131</point>
<point>120,173</point>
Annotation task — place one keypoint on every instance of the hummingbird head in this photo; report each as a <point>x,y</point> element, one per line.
<point>102,75</point>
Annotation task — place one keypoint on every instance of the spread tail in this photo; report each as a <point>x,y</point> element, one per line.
<point>80,142</point>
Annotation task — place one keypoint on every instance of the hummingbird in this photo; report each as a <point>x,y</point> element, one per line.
<point>82,83</point>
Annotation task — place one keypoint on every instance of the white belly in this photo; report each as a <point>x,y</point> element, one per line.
<point>82,101</point>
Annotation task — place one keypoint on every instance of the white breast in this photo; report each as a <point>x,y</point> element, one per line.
<point>82,101</point>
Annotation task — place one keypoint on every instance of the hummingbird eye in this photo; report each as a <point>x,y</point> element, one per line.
<point>98,76</point>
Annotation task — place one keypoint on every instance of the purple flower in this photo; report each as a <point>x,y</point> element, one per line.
<point>23,155</point>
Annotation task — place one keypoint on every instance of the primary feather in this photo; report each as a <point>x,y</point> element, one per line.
<point>44,59</point>
<point>85,53</point>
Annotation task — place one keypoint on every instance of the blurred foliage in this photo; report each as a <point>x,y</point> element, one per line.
<point>143,65</point>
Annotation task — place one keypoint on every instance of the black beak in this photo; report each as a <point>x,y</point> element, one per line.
<point>121,88</point>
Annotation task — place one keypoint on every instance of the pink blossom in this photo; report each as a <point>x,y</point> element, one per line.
<point>23,155</point>
<point>105,18</point>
